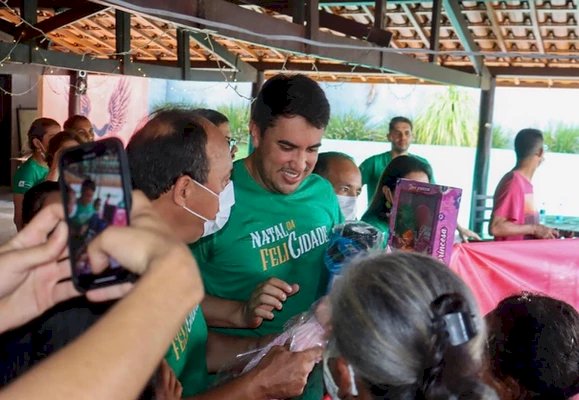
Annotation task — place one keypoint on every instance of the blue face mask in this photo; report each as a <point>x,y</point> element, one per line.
<point>226,201</point>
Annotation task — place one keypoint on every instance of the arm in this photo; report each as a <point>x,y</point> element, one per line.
<point>95,366</point>
<point>466,234</point>
<point>280,374</point>
<point>17,198</point>
<point>507,218</point>
<point>500,226</point>
<point>222,350</point>
<point>266,297</point>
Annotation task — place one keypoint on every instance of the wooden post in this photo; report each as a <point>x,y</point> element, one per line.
<point>483,147</point>
<point>73,95</point>
<point>435,29</point>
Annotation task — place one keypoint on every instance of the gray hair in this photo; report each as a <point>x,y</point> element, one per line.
<point>384,313</point>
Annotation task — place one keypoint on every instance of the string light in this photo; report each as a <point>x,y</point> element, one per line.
<point>44,59</point>
<point>222,69</point>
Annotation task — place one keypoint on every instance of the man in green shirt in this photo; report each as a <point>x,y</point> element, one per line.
<point>183,165</point>
<point>283,215</point>
<point>400,137</point>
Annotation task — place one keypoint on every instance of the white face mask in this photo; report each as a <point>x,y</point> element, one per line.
<point>331,385</point>
<point>348,207</point>
<point>226,201</point>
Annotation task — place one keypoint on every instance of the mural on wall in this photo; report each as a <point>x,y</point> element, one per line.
<point>118,109</point>
<point>115,105</point>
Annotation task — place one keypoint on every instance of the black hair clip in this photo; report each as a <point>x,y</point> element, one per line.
<point>460,328</point>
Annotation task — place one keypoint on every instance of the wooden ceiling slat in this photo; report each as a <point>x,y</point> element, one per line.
<point>554,30</point>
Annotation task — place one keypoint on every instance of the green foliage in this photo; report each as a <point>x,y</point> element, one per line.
<point>501,138</point>
<point>448,120</point>
<point>169,104</point>
<point>238,116</point>
<point>562,138</point>
<point>353,126</point>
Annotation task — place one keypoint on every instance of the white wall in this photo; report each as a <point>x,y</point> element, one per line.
<point>555,186</point>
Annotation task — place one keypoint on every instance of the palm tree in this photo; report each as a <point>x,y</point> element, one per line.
<point>450,119</point>
<point>352,126</point>
<point>563,139</point>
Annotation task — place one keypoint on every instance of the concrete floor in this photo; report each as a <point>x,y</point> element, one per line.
<point>7,228</point>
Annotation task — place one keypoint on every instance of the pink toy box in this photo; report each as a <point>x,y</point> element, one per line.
<point>423,218</point>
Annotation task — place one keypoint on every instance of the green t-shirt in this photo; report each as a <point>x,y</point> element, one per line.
<point>373,167</point>
<point>83,213</point>
<point>27,175</point>
<point>271,235</point>
<point>187,354</point>
<point>379,224</point>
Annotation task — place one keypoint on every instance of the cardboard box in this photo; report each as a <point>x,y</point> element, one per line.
<point>423,218</point>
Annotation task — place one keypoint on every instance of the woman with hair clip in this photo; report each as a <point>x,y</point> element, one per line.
<point>408,167</point>
<point>404,327</point>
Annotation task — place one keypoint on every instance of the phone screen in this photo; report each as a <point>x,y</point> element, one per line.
<point>96,193</point>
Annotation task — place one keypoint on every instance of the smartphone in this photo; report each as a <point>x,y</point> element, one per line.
<point>95,187</point>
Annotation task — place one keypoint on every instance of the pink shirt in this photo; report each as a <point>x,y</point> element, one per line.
<point>514,201</point>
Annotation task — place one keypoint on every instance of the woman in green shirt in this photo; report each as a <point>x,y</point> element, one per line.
<point>35,169</point>
<point>407,167</point>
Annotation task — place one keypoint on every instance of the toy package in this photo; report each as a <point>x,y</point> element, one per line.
<point>423,218</point>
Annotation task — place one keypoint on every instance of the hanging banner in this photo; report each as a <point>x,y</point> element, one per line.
<point>495,270</point>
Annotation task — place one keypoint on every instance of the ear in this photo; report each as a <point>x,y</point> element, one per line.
<point>182,190</point>
<point>541,152</point>
<point>255,134</point>
<point>341,372</point>
<point>37,145</point>
<point>388,194</point>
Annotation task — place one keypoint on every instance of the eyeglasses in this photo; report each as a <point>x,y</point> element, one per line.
<point>232,142</point>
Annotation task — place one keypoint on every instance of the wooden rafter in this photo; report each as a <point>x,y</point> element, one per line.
<point>58,21</point>
<point>160,32</point>
<point>535,22</point>
<point>78,34</point>
<point>417,27</point>
<point>492,14</point>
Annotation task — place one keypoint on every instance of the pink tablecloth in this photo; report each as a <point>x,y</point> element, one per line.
<point>495,270</point>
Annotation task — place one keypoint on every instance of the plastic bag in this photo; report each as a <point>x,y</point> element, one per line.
<point>347,241</point>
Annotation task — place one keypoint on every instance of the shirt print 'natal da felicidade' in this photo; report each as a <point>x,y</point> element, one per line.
<point>271,235</point>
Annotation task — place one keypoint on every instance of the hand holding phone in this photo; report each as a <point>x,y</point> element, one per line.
<point>154,249</point>
<point>96,194</point>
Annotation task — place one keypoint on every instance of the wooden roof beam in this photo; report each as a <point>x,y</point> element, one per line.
<point>235,22</point>
<point>496,27</point>
<point>233,60</point>
<point>435,20</point>
<point>7,27</point>
<point>460,25</point>
<point>160,32</point>
<point>535,22</point>
<point>415,24</point>
<point>58,21</point>
<point>24,53</point>
<point>145,37</point>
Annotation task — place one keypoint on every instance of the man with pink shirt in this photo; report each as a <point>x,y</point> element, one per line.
<point>514,214</point>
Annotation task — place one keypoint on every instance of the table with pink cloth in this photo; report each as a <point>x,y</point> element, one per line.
<point>495,270</point>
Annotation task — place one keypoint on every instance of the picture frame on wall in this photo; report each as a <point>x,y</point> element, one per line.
<point>25,118</point>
